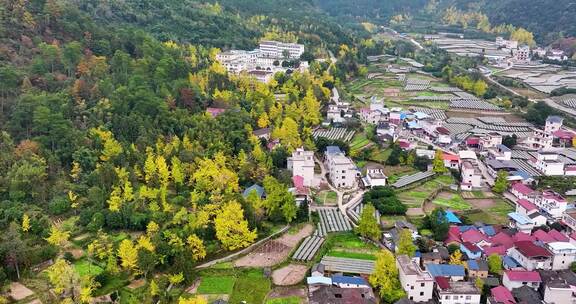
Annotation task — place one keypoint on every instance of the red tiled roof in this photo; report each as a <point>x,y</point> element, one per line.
<point>558,236</point>
<point>527,205</point>
<point>563,134</point>
<point>442,282</point>
<point>502,239</point>
<point>542,236</point>
<point>443,130</point>
<point>553,196</point>
<point>502,295</point>
<point>473,236</point>
<point>450,157</point>
<point>471,247</point>
<point>473,141</point>
<point>499,250</point>
<point>530,250</point>
<point>403,144</point>
<point>570,168</point>
<point>521,236</point>
<point>573,235</point>
<point>523,275</point>
<point>523,189</point>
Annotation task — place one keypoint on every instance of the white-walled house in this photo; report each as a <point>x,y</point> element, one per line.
<point>552,203</point>
<point>522,191</point>
<point>563,254</point>
<point>517,278</point>
<point>471,176</point>
<point>548,163</point>
<point>450,292</point>
<point>417,283</point>
<point>341,169</point>
<point>301,163</point>
<point>531,256</point>
<point>375,177</point>
<point>553,124</point>
<point>569,219</point>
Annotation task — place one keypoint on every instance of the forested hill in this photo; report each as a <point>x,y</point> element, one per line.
<point>547,19</point>
<point>223,24</point>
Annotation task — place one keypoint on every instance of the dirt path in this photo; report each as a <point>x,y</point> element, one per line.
<point>286,292</point>
<point>289,275</point>
<point>274,251</point>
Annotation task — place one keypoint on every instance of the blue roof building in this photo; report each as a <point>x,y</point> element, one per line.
<point>488,230</point>
<point>466,228</point>
<point>519,218</point>
<point>451,217</point>
<point>445,270</point>
<point>259,191</point>
<point>347,281</point>
<point>510,263</point>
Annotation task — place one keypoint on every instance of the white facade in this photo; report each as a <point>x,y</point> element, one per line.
<point>552,204</point>
<point>376,177</point>
<point>569,218</point>
<point>530,263</point>
<point>459,293</point>
<point>302,163</point>
<point>564,253</point>
<point>553,124</point>
<point>512,284</point>
<point>471,176</point>
<point>559,293</point>
<point>490,140</point>
<point>342,171</point>
<point>417,283</point>
<point>277,49</point>
<point>548,164</point>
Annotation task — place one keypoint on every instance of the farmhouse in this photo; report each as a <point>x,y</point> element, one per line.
<point>417,283</point>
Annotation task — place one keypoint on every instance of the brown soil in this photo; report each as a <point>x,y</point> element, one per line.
<point>289,275</point>
<point>482,203</point>
<point>414,212</point>
<point>285,292</point>
<point>274,251</point>
<point>136,284</point>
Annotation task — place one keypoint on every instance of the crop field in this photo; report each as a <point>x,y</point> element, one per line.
<point>85,268</point>
<point>451,201</point>
<point>216,285</point>
<point>490,211</point>
<point>415,197</point>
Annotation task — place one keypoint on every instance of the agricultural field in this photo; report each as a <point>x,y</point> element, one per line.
<point>237,285</point>
<point>415,197</point>
<point>451,201</point>
<point>326,198</point>
<point>359,142</point>
<point>86,268</point>
<point>289,300</point>
<point>490,211</point>
<point>348,245</point>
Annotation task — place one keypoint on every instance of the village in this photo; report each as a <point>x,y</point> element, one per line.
<point>459,157</point>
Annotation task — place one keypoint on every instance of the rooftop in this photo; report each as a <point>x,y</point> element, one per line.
<point>523,189</point>
<point>523,275</point>
<point>502,295</point>
<point>530,250</point>
<point>445,270</point>
<point>339,279</point>
<point>458,288</point>
<point>520,218</point>
<point>527,205</point>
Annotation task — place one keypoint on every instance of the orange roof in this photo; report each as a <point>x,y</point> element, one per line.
<point>450,157</point>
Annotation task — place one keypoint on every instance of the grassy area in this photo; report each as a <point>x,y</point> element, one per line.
<point>379,155</point>
<point>216,285</point>
<point>359,141</point>
<point>415,197</point>
<point>85,268</point>
<point>478,194</point>
<point>389,220</point>
<point>454,202</point>
<point>289,300</point>
<point>251,287</point>
<point>351,255</point>
<point>326,198</point>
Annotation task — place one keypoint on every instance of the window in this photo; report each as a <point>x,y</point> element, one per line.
<point>421,284</point>
<point>412,287</point>
<point>421,293</point>
<point>343,171</point>
<point>343,177</point>
<point>338,296</point>
<point>411,298</point>
<point>447,297</point>
<point>468,297</point>
<point>454,297</point>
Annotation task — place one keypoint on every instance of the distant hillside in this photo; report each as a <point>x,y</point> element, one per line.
<point>547,19</point>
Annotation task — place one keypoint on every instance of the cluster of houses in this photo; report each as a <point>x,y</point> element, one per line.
<point>337,288</point>
<point>523,53</point>
<point>535,263</point>
<point>264,61</point>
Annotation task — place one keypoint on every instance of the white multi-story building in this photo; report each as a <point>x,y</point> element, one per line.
<point>334,114</point>
<point>418,284</point>
<point>540,139</point>
<point>513,279</point>
<point>552,203</point>
<point>522,54</point>
<point>450,292</point>
<point>276,49</point>
<point>569,218</point>
<point>341,169</point>
<point>301,163</point>
<point>490,140</point>
<point>563,254</point>
<point>548,163</point>
<point>553,124</point>
<point>471,176</point>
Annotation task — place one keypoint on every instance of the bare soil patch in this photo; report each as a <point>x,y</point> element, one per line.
<point>482,203</point>
<point>285,292</point>
<point>194,287</point>
<point>76,253</point>
<point>414,211</point>
<point>19,292</point>
<point>274,251</point>
<point>289,275</point>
